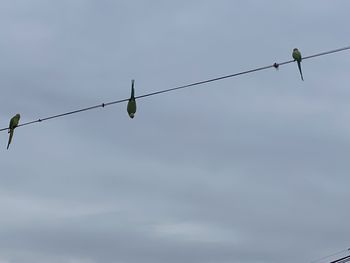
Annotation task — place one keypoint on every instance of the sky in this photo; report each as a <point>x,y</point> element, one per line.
<point>252,169</point>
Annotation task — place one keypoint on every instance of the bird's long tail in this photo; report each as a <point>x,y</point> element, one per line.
<point>301,73</point>
<point>10,138</point>
<point>132,92</point>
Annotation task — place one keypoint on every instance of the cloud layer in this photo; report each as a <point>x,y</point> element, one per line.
<point>251,169</point>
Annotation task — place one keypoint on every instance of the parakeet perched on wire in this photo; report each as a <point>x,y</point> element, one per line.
<point>297,57</point>
<point>132,102</point>
<point>13,124</point>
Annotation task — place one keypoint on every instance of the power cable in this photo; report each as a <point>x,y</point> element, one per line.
<point>331,255</point>
<point>275,65</point>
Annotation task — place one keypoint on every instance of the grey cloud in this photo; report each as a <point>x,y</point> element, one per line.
<point>250,169</point>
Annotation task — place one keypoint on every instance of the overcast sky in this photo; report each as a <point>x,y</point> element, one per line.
<point>253,169</point>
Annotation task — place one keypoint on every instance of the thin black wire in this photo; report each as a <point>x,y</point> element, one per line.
<point>275,65</point>
<point>341,260</point>
<point>331,255</point>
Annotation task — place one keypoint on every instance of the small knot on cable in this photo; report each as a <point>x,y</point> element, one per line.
<point>39,120</point>
<point>276,65</point>
<point>103,105</point>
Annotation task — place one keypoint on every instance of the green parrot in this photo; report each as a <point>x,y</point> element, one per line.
<point>132,102</point>
<point>13,124</point>
<point>297,57</point>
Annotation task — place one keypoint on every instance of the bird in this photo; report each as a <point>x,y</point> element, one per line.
<point>132,102</point>
<point>13,124</point>
<point>297,57</point>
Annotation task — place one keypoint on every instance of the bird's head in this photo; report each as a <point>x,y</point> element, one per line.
<point>132,115</point>
<point>295,49</point>
<point>18,115</point>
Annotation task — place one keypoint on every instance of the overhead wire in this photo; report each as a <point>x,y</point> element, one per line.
<point>331,255</point>
<point>341,260</point>
<point>102,105</point>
